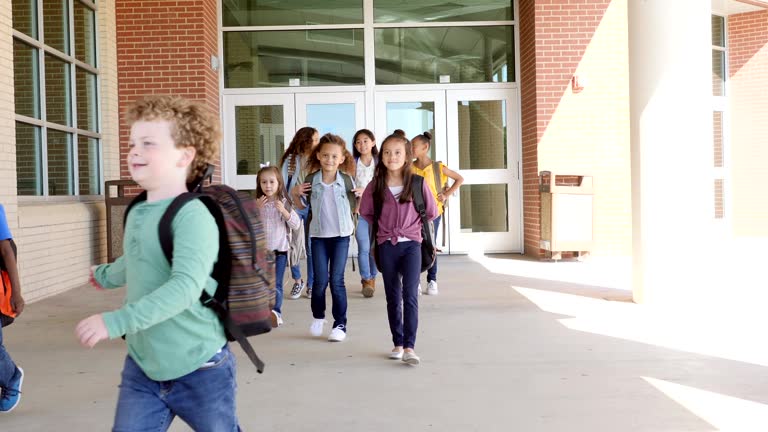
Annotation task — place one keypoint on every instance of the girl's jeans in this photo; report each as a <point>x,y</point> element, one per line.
<point>296,270</point>
<point>204,399</point>
<point>364,255</point>
<point>401,269</point>
<point>330,257</point>
<point>281,260</point>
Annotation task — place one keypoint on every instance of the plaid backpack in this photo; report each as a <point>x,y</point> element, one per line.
<point>245,270</point>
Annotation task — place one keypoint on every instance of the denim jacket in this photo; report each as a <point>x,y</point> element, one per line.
<point>342,205</point>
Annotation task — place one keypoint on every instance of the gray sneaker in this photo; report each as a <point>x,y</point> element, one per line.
<point>298,287</point>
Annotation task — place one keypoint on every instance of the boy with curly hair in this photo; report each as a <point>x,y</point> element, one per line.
<point>178,362</point>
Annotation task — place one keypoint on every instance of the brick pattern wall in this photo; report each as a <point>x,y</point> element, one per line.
<point>583,132</point>
<point>748,100</point>
<point>165,48</point>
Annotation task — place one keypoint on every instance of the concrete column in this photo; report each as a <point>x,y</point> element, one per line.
<point>671,146</point>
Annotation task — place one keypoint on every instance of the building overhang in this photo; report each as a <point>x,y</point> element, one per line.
<point>732,7</point>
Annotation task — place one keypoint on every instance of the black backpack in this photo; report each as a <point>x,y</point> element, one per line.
<point>428,251</point>
<point>244,271</point>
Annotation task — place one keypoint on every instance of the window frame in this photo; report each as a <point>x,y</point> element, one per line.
<point>369,26</point>
<point>72,63</point>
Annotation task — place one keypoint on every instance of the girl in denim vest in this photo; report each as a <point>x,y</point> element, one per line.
<point>398,240</point>
<point>366,157</point>
<point>331,225</point>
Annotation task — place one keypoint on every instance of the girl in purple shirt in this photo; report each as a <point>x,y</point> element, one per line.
<point>397,244</point>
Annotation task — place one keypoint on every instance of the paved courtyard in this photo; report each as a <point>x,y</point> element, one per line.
<point>509,345</point>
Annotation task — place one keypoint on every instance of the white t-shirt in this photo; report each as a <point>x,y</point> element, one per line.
<point>396,192</point>
<point>329,216</point>
<point>364,174</point>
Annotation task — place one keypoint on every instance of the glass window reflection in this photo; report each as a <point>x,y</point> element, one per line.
<point>464,54</point>
<point>482,134</point>
<point>313,57</point>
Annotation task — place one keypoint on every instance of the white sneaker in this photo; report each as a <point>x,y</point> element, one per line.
<point>276,319</point>
<point>411,358</point>
<point>432,288</point>
<point>418,289</point>
<point>338,334</point>
<point>316,329</point>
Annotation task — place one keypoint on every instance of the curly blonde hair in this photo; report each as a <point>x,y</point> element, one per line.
<point>193,125</point>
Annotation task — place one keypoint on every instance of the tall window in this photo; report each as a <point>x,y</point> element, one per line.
<point>58,141</point>
<point>719,74</point>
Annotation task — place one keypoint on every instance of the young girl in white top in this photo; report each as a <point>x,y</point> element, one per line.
<point>330,227</point>
<point>366,157</point>
<point>276,212</point>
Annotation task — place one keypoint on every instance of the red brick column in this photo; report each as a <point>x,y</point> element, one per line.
<point>554,35</point>
<point>165,47</point>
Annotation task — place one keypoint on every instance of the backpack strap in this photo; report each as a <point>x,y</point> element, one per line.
<point>417,184</point>
<point>436,176</point>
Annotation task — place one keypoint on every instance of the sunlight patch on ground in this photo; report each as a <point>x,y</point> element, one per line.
<point>596,271</point>
<point>726,413</point>
<point>683,330</point>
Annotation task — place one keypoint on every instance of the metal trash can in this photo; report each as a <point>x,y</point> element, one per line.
<point>567,209</point>
<point>116,202</point>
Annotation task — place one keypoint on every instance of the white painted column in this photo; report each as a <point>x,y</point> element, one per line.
<point>671,146</point>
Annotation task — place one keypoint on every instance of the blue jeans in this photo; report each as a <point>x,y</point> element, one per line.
<point>330,257</point>
<point>296,270</point>
<point>364,255</point>
<point>432,272</point>
<point>204,399</point>
<point>401,270</point>
<point>7,366</point>
<point>281,260</point>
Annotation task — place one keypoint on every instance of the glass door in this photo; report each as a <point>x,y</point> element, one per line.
<point>257,129</point>
<point>483,146</point>
<point>341,114</point>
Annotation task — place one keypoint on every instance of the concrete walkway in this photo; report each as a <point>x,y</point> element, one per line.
<point>500,352</point>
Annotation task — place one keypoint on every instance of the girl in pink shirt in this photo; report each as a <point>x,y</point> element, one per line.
<point>397,240</point>
<point>276,213</point>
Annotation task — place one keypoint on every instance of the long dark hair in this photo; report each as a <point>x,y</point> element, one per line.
<point>300,144</point>
<point>369,134</point>
<point>347,167</point>
<point>380,175</point>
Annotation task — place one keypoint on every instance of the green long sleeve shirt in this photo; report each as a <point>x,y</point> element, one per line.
<point>168,331</point>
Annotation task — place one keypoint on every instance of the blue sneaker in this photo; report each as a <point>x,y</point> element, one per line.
<point>12,394</point>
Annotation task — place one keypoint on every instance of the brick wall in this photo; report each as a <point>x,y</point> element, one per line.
<point>748,100</point>
<point>575,133</point>
<point>165,48</point>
